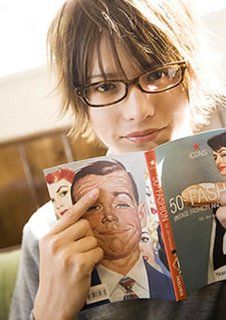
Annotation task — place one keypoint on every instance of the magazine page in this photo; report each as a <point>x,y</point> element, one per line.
<point>124,222</point>
<point>165,233</point>
<point>192,174</point>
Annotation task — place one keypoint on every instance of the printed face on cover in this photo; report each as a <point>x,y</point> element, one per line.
<point>116,217</point>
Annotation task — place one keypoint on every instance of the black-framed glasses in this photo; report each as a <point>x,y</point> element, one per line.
<point>108,92</point>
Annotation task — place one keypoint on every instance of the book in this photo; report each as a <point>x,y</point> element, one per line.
<point>158,218</point>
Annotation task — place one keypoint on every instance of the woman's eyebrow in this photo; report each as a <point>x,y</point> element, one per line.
<point>145,233</point>
<point>63,186</point>
<point>104,76</point>
<point>118,75</point>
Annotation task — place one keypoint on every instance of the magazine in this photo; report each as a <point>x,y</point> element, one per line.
<point>156,219</point>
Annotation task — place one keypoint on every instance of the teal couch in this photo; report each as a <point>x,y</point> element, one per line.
<point>9,261</point>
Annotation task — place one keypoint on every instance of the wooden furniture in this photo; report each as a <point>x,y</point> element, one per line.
<point>22,185</point>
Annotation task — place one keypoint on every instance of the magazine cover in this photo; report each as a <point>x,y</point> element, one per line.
<point>192,174</point>
<point>157,218</point>
<point>124,221</point>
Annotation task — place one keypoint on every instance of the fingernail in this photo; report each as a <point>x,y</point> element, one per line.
<point>93,193</point>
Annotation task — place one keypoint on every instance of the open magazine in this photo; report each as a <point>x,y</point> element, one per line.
<point>157,217</point>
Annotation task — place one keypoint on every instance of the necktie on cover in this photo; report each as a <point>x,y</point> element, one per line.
<point>127,283</point>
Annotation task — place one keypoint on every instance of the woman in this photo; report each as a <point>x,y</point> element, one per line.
<point>60,195</point>
<point>218,144</point>
<point>217,268</point>
<point>131,73</point>
<point>150,253</point>
<point>210,193</point>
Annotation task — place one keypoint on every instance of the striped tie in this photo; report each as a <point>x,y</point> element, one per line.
<point>128,283</point>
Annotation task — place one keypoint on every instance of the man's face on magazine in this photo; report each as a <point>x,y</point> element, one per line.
<point>220,160</point>
<point>115,218</point>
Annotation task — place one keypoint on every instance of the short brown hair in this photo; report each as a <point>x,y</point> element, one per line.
<point>161,30</point>
<point>102,168</point>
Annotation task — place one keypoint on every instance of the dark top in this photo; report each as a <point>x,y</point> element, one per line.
<point>219,258</point>
<point>208,303</point>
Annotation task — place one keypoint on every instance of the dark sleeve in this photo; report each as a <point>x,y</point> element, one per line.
<point>219,258</point>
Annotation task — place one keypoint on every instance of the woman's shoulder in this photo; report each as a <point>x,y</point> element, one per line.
<point>40,222</point>
<point>218,115</point>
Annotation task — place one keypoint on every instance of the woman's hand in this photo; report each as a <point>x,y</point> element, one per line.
<point>221,212</point>
<point>68,254</point>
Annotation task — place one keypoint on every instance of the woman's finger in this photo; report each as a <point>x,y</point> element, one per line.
<point>81,246</point>
<point>75,212</point>
<point>93,257</point>
<point>76,231</point>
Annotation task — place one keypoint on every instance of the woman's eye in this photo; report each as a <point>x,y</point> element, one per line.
<point>63,193</point>
<point>167,73</point>
<point>156,75</point>
<point>215,156</point>
<point>144,239</point>
<point>104,87</point>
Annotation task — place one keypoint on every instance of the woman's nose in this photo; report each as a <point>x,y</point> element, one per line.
<point>218,159</point>
<point>58,205</point>
<point>138,105</point>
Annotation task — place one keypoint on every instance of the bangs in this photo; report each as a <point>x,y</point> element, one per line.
<point>83,67</point>
<point>142,56</point>
<point>143,43</point>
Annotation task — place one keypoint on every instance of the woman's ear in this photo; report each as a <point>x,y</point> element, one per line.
<point>142,212</point>
<point>189,86</point>
<point>191,79</point>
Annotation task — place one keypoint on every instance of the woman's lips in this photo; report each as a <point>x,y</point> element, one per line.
<point>63,212</point>
<point>143,136</point>
<point>221,168</point>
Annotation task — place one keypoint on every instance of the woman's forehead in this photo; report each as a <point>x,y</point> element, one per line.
<point>114,64</point>
<point>222,149</point>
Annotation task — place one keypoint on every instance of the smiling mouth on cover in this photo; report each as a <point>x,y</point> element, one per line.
<point>114,231</point>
